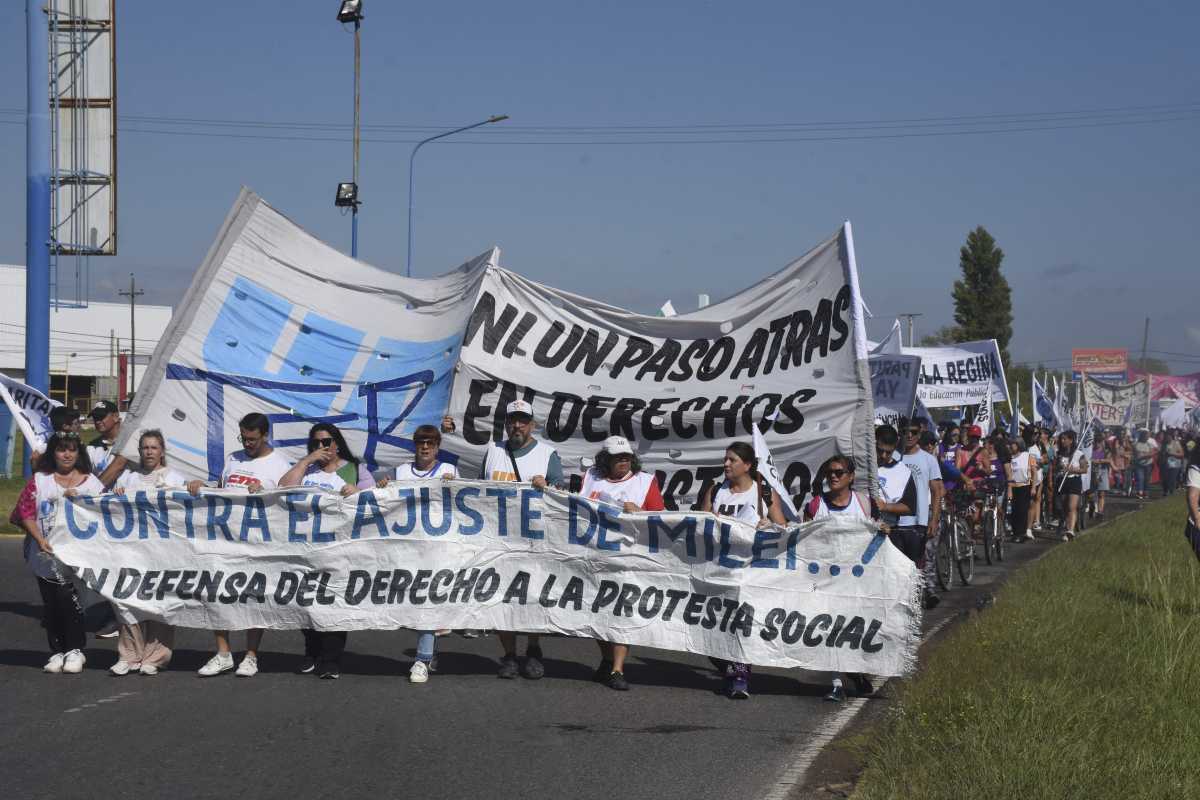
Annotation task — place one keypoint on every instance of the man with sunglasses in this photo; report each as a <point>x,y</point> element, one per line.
<point>257,466</point>
<point>520,457</point>
<point>107,420</point>
<point>927,476</point>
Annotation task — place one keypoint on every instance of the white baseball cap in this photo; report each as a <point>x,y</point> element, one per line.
<point>615,445</point>
<point>519,407</point>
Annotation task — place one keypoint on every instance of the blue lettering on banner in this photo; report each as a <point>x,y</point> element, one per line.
<point>73,526</point>
<point>238,351</point>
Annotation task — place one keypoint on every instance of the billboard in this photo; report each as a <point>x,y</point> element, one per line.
<point>1106,364</point>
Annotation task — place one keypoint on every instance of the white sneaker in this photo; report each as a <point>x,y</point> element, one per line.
<point>419,672</point>
<point>55,664</point>
<point>149,669</point>
<point>124,668</point>
<point>1029,534</point>
<point>74,661</point>
<point>248,668</point>
<point>221,662</point>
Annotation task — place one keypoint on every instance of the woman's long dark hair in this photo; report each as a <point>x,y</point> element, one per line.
<point>604,461</point>
<point>46,460</point>
<point>746,453</point>
<point>338,440</point>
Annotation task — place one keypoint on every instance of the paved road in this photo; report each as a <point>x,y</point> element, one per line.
<point>464,734</point>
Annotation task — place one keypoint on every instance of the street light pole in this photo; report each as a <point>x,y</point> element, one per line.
<point>413,155</point>
<point>67,380</point>
<point>354,208</point>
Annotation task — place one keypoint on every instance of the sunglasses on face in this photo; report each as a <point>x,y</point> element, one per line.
<point>427,443</point>
<point>838,473</point>
<point>320,442</point>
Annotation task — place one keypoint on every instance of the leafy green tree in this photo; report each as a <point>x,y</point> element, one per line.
<point>948,334</point>
<point>982,298</point>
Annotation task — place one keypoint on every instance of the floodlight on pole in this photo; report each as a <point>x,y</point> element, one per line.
<point>350,11</point>
<point>412,157</point>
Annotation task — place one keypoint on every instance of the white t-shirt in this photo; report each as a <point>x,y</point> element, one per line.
<point>742,506</point>
<point>1193,477</point>
<point>925,468</point>
<point>409,471</point>
<point>48,494</point>
<point>633,488</point>
<point>497,465</point>
<point>856,509</point>
<point>241,470</point>
<point>1021,468</point>
<point>316,477</point>
<point>162,478</point>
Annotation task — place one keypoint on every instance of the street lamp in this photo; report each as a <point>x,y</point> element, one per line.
<point>347,192</point>
<point>418,146</point>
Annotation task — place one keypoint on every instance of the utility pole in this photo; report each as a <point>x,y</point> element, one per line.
<point>132,294</point>
<point>910,318</point>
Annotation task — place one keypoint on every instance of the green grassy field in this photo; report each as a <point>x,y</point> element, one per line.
<point>1081,681</point>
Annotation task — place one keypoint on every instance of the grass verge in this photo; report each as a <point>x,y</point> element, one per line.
<point>10,488</point>
<point>1079,683</point>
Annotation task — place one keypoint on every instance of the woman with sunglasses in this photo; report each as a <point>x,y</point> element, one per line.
<point>63,471</point>
<point>835,497</point>
<point>427,443</point>
<point>331,466</point>
<point>145,647</point>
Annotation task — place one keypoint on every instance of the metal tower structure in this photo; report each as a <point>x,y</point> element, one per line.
<point>83,143</point>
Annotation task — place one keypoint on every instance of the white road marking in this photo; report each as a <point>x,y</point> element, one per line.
<point>797,771</point>
<point>116,698</point>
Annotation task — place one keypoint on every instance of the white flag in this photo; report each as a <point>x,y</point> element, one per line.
<point>31,409</point>
<point>766,468</point>
<point>984,416</point>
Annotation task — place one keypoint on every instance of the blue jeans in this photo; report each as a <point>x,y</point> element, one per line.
<point>1141,478</point>
<point>426,646</point>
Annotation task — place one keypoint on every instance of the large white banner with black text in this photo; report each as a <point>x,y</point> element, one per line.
<point>279,322</point>
<point>961,374</point>
<point>828,595</point>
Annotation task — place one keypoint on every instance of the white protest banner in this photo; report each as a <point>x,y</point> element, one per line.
<point>680,388</point>
<point>961,374</point>
<point>31,410</point>
<point>770,473</point>
<point>894,386</point>
<point>828,595</point>
<point>1173,415</point>
<point>280,323</point>
<point>1117,404</point>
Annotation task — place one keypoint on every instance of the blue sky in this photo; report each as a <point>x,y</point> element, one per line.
<point>1098,223</point>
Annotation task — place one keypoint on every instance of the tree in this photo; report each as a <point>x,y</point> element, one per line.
<point>948,334</point>
<point>982,298</point>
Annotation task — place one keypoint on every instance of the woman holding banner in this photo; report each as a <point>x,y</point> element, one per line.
<point>331,466</point>
<point>743,496</point>
<point>617,478</point>
<point>1072,465</point>
<point>64,470</point>
<point>145,647</point>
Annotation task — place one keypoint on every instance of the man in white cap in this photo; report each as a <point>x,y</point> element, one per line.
<point>521,457</point>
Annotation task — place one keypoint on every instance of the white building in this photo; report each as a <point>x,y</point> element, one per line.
<point>84,342</point>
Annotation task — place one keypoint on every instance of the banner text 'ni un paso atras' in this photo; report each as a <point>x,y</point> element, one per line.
<point>828,595</point>
<point>279,322</point>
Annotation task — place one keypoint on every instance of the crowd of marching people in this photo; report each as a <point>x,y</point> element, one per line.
<point>1043,482</point>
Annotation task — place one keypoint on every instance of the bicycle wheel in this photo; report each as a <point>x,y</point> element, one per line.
<point>1000,532</point>
<point>989,536</point>
<point>966,552</point>
<point>944,558</point>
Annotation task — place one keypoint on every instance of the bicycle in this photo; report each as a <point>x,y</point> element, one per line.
<point>992,523</point>
<point>954,548</point>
